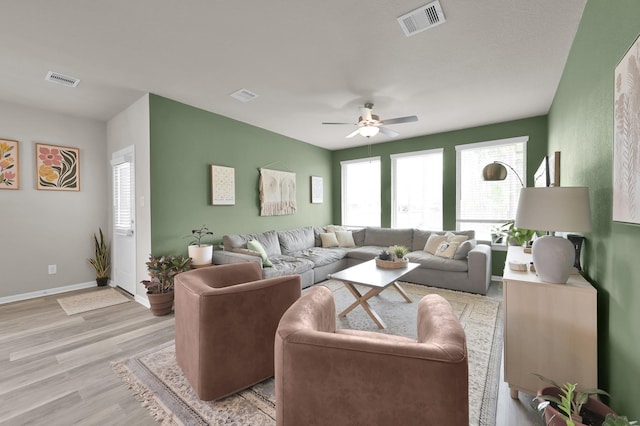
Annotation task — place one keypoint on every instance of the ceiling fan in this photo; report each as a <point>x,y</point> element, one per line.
<point>370,124</point>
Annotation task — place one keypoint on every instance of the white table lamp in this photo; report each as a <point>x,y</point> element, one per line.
<point>554,209</point>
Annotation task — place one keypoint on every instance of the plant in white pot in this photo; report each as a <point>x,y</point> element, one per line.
<point>199,252</point>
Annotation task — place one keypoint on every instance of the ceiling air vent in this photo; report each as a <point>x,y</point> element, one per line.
<point>423,18</point>
<point>243,95</point>
<point>65,80</point>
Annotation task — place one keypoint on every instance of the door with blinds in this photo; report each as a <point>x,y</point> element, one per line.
<point>123,264</point>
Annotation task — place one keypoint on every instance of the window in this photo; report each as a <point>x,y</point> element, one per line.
<point>416,190</point>
<point>361,192</point>
<point>123,207</point>
<point>483,205</point>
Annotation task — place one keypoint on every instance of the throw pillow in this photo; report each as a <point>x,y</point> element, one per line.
<point>455,238</point>
<point>329,239</point>
<point>345,239</point>
<point>256,246</point>
<point>433,242</point>
<point>463,249</point>
<point>334,228</point>
<point>447,249</point>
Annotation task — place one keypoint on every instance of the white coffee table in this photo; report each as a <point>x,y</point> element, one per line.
<point>369,274</point>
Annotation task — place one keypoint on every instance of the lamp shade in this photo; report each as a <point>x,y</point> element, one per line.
<point>494,171</point>
<point>555,208</point>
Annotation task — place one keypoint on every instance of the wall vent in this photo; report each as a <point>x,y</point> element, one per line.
<point>422,18</point>
<point>243,95</point>
<point>65,80</point>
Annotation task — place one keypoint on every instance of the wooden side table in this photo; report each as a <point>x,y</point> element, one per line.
<point>550,329</point>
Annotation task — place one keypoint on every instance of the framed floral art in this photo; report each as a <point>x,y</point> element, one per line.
<point>9,164</point>
<point>57,168</point>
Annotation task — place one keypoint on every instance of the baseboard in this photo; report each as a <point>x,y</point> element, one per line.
<point>496,277</point>
<point>47,292</point>
<point>142,300</point>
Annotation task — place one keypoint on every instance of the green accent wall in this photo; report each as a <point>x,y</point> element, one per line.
<point>186,140</point>
<point>535,128</point>
<point>581,127</point>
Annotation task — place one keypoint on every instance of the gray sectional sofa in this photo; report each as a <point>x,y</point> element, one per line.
<point>300,251</point>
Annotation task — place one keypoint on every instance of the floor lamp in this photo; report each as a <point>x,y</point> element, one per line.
<point>554,209</point>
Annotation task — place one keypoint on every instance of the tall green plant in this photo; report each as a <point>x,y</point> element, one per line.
<point>101,261</point>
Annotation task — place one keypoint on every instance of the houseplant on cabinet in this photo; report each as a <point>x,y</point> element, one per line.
<point>101,261</point>
<point>200,254</point>
<point>162,271</point>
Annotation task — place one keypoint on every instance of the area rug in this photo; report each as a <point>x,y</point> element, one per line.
<point>157,381</point>
<point>96,299</point>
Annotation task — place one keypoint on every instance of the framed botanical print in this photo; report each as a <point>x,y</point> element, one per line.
<point>9,164</point>
<point>223,185</point>
<point>57,168</point>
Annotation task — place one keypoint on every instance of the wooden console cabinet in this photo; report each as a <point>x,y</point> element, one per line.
<point>550,329</point>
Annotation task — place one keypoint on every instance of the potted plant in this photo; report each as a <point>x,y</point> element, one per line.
<point>162,271</point>
<point>564,405</point>
<point>200,254</point>
<point>399,252</point>
<point>101,261</point>
<point>384,255</point>
<point>512,235</point>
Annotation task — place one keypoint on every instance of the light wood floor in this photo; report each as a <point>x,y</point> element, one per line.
<point>55,369</point>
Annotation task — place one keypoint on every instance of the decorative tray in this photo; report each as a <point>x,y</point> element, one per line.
<point>391,264</point>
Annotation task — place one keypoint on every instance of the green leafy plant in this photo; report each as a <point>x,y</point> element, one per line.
<point>162,271</point>
<point>101,261</point>
<point>509,232</point>
<point>399,251</point>
<point>570,402</point>
<point>198,234</point>
<point>615,420</point>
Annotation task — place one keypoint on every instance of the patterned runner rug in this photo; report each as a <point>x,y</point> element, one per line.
<point>157,381</point>
<point>95,299</point>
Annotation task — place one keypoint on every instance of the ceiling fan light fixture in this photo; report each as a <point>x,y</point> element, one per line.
<point>368,131</point>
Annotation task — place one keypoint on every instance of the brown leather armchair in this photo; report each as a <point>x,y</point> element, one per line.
<point>325,376</point>
<point>226,318</point>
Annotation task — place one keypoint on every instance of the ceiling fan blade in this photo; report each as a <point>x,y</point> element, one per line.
<point>388,132</point>
<point>352,134</point>
<point>407,119</point>
<point>351,124</point>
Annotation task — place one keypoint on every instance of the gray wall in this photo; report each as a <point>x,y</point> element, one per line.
<point>40,228</point>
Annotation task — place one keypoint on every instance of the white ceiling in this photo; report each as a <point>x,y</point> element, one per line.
<point>309,61</point>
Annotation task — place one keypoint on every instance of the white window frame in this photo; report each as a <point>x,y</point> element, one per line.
<point>459,148</point>
<point>344,183</point>
<point>394,181</point>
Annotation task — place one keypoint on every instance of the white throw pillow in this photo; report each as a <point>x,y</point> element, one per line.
<point>345,239</point>
<point>453,238</point>
<point>433,242</point>
<point>334,228</point>
<point>447,249</point>
<point>329,240</point>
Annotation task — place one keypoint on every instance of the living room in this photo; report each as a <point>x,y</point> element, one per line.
<point>175,144</point>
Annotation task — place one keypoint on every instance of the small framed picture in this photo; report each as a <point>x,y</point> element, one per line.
<point>223,185</point>
<point>316,190</point>
<point>57,168</point>
<point>9,164</point>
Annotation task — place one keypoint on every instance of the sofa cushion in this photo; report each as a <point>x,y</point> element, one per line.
<point>321,256</point>
<point>358,236</point>
<point>285,265</point>
<point>366,252</point>
<point>420,238</point>
<point>345,239</point>
<point>385,237</point>
<point>430,261</point>
<point>317,230</point>
<point>269,241</point>
<point>329,239</point>
<point>296,239</point>
<point>434,242</point>
<point>463,249</point>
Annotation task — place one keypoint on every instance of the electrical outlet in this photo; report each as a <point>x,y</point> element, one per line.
<point>53,269</point>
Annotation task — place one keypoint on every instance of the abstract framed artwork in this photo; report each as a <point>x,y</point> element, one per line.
<point>626,138</point>
<point>9,164</point>
<point>57,168</point>
<point>316,190</point>
<point>223,185</point>
<point>554,169</point>
<point>541,176</point>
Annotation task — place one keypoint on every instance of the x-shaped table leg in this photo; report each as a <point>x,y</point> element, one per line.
<point>362,301</point>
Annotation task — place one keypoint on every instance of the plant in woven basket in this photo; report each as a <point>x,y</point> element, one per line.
<point>162,271</point>
<point>399,251</point>
<point>101,261</point>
